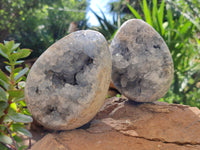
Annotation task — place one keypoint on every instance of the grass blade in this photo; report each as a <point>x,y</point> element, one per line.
<point>147,13</point>
<point>154,15</point>
<point>161,16</point>
<point>134,12</point>
<point>170,18</point>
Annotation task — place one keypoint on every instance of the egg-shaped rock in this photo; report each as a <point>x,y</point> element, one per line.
<point>67,85</point>
<point>142,66</point>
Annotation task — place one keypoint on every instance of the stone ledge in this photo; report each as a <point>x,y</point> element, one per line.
<point>122,124</point>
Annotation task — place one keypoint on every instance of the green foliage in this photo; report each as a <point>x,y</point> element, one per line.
<point>13,112</point>
<point>106,28</point>
<point>188,8</point>
<point>179,33</point>
<point>38,23</point>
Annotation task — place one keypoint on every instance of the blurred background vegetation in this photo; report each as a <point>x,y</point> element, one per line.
<point>37,24</point>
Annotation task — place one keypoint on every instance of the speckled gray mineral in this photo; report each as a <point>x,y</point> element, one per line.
<point>68,83</point>
<point>142,64</point>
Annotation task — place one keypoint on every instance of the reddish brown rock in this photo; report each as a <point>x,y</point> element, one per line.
<point>125,125</point>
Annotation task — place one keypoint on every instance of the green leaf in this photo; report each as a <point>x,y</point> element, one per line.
<point>104,17</point>
<point>147,13</point>
<point>197,25</point>
<point>17,117</point>
<point>161,16</point>
<point>4,84</point>
<point>8,68</point>
<point>22,53</point>
<point>23,131</point>
<point>170,18</point>
<point>155,8</point>
<point>98,17</point>
<point>185,27</point>
<point>21,73</point>
<point>7,63</point>
<point>16,93</point>
<point>3,76</point>
<point>18,69</point>
<point>110,26</point>
<point>1,113</point>
<point>198,41</point>
<point>19,62</point>
<point>18,98</point>
<point>154,15</point>
<point>3,95</point>
<point>181,18</point>
<point>106,28</point>
<point>113,35</point>
<point>134,12</point>
<point>17,138</point>
<point>3,106</point>
<point>15,46</point>
<point>3,51</point>
<point>161,10</point>
<point>5,139</point>
<point>9,44</point>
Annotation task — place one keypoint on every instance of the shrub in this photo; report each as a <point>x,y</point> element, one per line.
<point>13,112</point>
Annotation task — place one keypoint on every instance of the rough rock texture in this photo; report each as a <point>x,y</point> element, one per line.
<point>125,125</point>
<point>142,64</point>
<point>67,84</point>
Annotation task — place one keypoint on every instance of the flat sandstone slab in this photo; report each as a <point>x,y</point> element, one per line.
<point>125,125</point>
<point>142,64</point>
<point>68,83</point>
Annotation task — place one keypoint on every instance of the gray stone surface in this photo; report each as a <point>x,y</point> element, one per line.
<point>142,65</point>
<point>68,83</point>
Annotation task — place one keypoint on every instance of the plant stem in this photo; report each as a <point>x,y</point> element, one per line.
<point>12,80</point>
<point>14,143</point>
<point>1,119</point>
<point>29,146</point>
